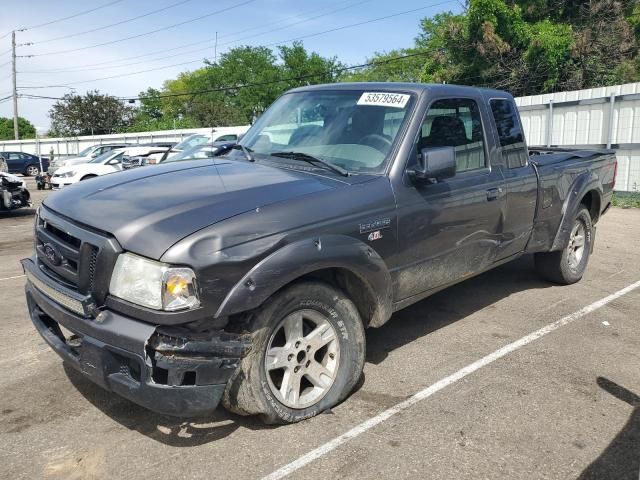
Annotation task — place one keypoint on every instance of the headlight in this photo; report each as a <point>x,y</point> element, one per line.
<point>67,174</point>
<point>153,284</point>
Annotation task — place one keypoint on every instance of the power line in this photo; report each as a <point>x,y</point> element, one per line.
<point>305,36</point>
<point>97,29</point>
<point>257,84</point>
<point>82,67</point>
<point>45,86</point>
<point>118,66</point>
<point>135,73</point>
<point>100,65</point>
<point>217,12</point>
<point>344,27</point>
<point>72,16</point>
<point>293,24</point>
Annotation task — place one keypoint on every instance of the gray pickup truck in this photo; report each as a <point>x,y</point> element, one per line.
<point>249,278</point>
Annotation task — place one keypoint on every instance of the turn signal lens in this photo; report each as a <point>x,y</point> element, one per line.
<point>179,289</point>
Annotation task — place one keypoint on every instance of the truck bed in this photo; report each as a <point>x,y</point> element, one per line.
<point>563,175</point>
<point>543,156</point>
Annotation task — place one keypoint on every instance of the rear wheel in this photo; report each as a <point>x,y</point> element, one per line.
<point>32,170</point>
<point>307,355</point>
<point>568,265</point>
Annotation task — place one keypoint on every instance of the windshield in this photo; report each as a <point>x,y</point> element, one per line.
<point>86,151</point>
<point>352,129</point>
<point>194,153</point>
<point>104,157</point>
<point>191,141</point>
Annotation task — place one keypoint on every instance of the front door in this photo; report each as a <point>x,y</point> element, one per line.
<point>15,162</point>
<point>451,228</point>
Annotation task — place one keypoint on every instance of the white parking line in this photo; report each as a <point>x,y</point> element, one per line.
<point>11,278</point>
<point>445,382</point>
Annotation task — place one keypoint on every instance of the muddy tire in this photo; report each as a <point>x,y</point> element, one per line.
<point>567,266</point>
<point>307,355</point>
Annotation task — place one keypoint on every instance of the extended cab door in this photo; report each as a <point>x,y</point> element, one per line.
<point>450,228</point>
<point>521,182</point>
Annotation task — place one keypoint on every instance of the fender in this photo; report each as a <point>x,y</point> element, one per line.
<point>582,184</point>
<point>306,256</point>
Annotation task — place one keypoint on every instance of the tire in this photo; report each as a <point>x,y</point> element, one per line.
<point>32,170</point>
<point>257,385</point>
<point>568,265</point>
<point>87,177</point>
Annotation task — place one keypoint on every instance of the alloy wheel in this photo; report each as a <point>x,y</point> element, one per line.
<point>302,358</point>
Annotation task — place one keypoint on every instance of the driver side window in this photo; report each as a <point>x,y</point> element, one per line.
<point>455,123</point>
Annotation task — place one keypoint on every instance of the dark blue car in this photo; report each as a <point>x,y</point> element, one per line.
<point>25,163</point>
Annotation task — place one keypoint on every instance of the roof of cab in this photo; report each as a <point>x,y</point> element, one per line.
<point>436,88</point>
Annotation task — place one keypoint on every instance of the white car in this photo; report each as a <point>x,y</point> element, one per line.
<point>222,134</point>
<point>84,156</point>
<point>109,162</point>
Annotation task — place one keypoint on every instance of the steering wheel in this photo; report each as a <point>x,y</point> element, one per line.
<point>377,141</point>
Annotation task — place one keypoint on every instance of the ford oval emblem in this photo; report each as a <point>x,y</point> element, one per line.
<point>52,254</point>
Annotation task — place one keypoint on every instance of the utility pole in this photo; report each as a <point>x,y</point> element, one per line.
<point>215,50</point>
<point>15,88</point>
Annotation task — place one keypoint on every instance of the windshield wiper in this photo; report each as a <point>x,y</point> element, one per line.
<point>311,159</point>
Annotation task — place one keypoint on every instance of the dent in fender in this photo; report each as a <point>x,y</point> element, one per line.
<point>307,256</point>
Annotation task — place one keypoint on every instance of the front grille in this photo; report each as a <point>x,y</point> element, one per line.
<point>76,257</point>
<point>93,257</point>
<point>61,254</point>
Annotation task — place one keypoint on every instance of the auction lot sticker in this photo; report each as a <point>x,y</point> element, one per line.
<point>384,99</point>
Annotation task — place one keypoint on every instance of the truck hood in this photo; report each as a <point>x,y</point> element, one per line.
<point>149,209</point>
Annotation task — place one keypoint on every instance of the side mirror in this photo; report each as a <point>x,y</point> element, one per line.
<point>435,163</point>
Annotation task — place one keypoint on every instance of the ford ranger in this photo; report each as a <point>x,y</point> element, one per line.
<point>249,278</point>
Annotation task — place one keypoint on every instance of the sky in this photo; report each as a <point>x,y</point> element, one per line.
<point>75,62</point>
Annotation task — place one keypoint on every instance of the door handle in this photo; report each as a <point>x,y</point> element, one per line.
<point>494,193</point>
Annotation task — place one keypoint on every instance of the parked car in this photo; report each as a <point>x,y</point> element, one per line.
<point>85,155</point>
<point>205,150</point>
<point>163,148</point>
<point>250,279</point>
<point>226,134</point>
<point>24,163</point>
<point>13,192</point>
<point>109,162</point>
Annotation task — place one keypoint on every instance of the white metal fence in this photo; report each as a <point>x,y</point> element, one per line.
<point>607,117</point>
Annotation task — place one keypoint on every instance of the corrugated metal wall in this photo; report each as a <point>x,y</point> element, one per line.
<point>586,118</point>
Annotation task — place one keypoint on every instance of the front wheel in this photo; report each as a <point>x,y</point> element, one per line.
<point>87,177</point>
<point>568,265</point>
<point>307,355</point>
<point>32,170</point>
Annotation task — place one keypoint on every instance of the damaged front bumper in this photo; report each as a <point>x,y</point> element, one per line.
<point>169,370</point>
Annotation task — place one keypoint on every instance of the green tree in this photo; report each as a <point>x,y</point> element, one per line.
<point>25,128</point>
<point>233,91</point>
<point>91,114</point>
<point>524,46</point>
